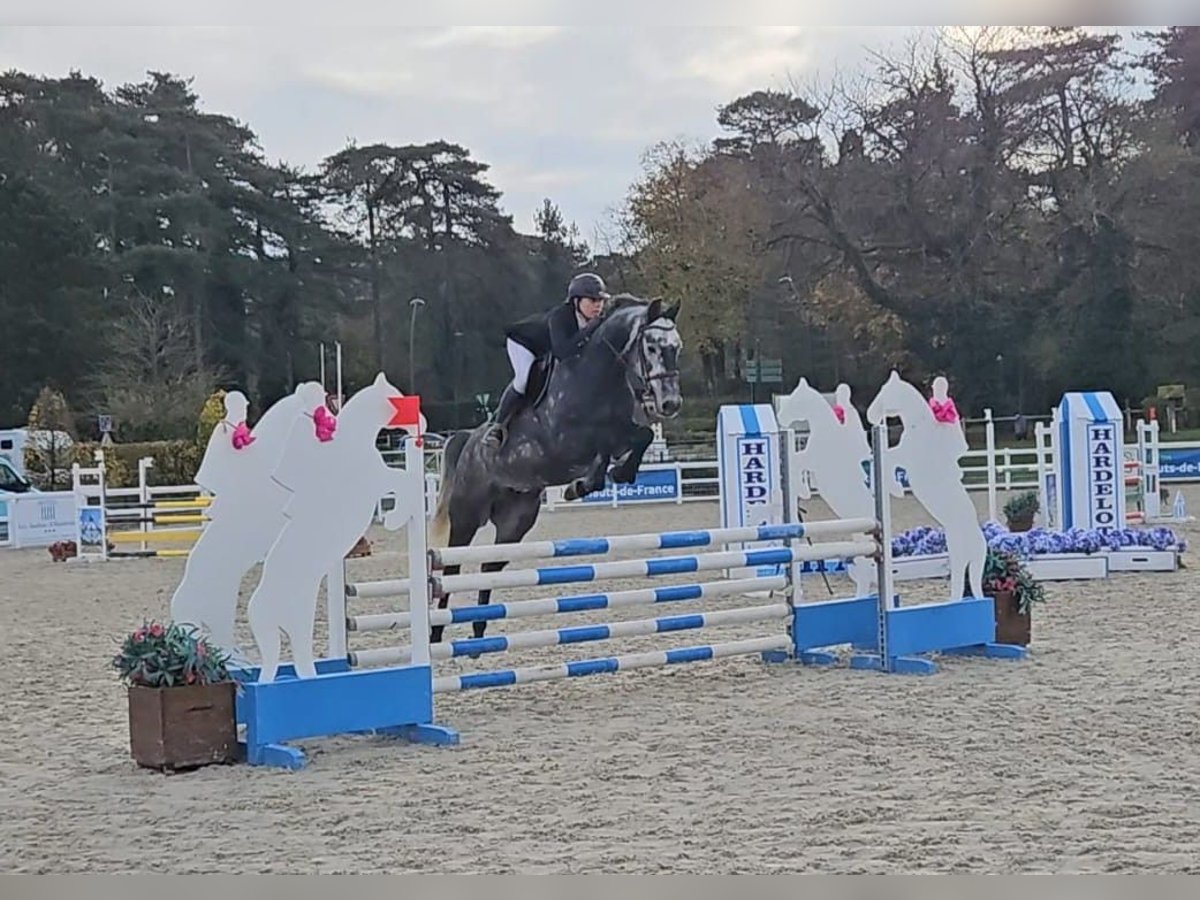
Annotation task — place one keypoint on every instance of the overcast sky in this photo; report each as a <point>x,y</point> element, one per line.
<point>555,111</point>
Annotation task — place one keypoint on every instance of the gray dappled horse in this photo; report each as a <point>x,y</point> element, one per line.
<point>585,412</point>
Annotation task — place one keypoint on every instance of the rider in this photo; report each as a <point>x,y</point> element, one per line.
<point>559,332</point>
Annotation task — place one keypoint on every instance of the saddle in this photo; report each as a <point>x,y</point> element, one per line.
<point>539,380</point>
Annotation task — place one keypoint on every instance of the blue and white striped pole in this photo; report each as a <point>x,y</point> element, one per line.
<point>556,637</point>
<point>548,606</point>
<point>669,540</point>
<point>654,658</point>
<point>645,568</point>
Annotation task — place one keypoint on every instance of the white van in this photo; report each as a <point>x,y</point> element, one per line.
<point>12,448</point>
<point>12,481</point>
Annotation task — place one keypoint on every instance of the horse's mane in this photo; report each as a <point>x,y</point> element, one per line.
<point>621,312</point>
<point>619,309</point>
<point>623,301</point>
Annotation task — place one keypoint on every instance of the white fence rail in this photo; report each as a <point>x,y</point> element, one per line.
<point>1002,469</point>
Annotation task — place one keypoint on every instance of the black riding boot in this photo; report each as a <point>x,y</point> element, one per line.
<point>510,402</point>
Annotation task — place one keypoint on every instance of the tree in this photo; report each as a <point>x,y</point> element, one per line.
<point>1175,70</point>
<point>696,232</point>
<point>51,436</point>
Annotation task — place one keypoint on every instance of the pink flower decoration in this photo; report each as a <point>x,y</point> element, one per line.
<point>840,412</point>
<point>242,436</point>
<point>944,410</point>
<point>325,424</point>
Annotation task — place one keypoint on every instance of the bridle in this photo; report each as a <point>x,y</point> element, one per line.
<point>637,375</point>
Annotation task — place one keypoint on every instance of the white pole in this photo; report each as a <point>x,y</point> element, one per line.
<point>990,431</point>
<point>147,514</point>
<point>335,606</point>
<point>1148,465</point>
<point>413,498</point>
<point>883,513</point>
<point>322,345</point>
<point>338,345</point>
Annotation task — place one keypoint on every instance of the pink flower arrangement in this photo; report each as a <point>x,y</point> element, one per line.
<point>242,436</point>
<point>944,411</point>
<point>158,655</point>
<point>325,423</point>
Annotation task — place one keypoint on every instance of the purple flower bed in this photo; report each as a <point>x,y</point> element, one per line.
<point>1037,541</point>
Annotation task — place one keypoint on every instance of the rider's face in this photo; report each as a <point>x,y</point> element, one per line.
<point>590,307</point>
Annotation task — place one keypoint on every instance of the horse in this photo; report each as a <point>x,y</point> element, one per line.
<point>929,451</point>
<point>588,410</point>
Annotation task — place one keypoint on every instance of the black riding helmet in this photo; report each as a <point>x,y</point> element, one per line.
<point>587,284</point>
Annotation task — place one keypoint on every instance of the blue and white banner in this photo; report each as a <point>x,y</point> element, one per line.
<point>1179,464</point>
<point>652,486</point>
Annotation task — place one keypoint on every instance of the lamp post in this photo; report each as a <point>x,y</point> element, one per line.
<point>415,303</point>
<point>460,364</point>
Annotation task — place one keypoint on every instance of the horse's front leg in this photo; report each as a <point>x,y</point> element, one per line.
<point>591,482</point>
<point>625,472</point>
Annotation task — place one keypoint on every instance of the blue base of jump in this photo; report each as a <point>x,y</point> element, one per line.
<point>966,627</point>
<point>397,702</point>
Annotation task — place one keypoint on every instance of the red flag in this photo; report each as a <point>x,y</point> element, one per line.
<point>407,414</point>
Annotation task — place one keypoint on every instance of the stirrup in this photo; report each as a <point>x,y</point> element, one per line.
<point>495,435</point>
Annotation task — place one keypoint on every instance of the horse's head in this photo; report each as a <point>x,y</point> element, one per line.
<point>644,337</point>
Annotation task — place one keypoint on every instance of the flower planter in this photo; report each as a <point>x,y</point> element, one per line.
<point>1012,627</point>
<point>1020,523</point>
<point>183,727</point>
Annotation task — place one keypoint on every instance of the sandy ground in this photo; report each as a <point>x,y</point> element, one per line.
<point>1083,758</point>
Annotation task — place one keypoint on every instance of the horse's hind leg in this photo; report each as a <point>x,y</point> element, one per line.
<point>462,531</point>
<point>513,514</point>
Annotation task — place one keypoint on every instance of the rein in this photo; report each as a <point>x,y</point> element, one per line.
<point>635,376</point>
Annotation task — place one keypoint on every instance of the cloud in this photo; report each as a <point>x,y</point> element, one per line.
<point>559,111</point>
<point>497,36</point>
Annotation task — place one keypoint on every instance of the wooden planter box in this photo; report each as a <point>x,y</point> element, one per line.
<point>1012,627</point>
<point>183,727</point>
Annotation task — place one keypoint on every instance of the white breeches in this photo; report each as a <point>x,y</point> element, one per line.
<point>522,360</point>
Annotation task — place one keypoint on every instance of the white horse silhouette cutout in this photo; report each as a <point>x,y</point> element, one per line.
<point>246,514</point>
<point>334,487</point>
<point>833,456</point>
<point>929,451</point>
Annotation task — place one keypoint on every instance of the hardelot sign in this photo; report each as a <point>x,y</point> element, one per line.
<point>1090,480</point>
<point>748,455</point>
<point>755,457</point>
<point>1103,441</point>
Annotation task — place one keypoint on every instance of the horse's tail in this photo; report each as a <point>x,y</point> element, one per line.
<point>439,528</point>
